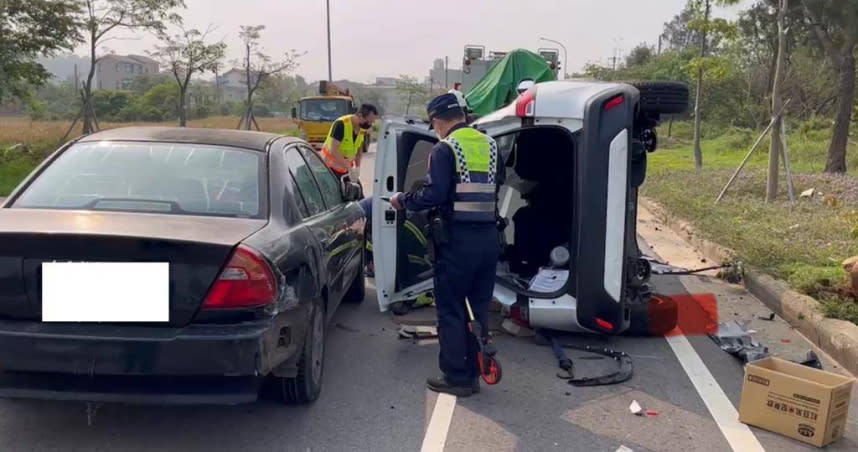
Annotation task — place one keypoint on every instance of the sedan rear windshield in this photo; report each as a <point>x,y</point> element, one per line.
<point>184,179</point>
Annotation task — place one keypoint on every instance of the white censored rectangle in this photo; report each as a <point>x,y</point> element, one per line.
<point>105,292</point>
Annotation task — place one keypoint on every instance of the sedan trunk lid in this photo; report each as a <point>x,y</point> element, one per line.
<point>196,248</point>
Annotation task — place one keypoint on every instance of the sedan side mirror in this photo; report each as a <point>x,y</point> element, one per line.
<point>352,192</point>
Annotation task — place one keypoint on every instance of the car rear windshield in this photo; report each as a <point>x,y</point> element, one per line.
<point>184,179</point>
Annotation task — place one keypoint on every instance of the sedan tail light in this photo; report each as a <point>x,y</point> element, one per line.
<point>246,281</point>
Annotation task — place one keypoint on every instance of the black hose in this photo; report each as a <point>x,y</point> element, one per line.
<point>691,272</point>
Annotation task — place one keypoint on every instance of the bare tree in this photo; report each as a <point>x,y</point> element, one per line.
<point>185,54</point>
<point>834,24</point>
<point>99,19</point>
<point>258,66</point>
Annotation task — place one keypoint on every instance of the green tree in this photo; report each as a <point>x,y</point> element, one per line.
<point>835,25</point>
<point>144,82</point>
<point>640,55</point>
<point>411,91</point>
<point>55,101</point>
<point>30,29</point>
<point>185,54</point>
<point>280,92</point>
<point>99,19</point>
<point>709,29</point>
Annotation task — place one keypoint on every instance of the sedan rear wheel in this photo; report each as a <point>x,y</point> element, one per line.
<point>307,385</point>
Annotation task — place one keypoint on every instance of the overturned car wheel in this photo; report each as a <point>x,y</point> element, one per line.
<point>656,317</point>
<point>664,98</point>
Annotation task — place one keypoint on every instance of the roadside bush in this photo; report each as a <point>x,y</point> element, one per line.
<point>107,104</point>
<point>138,111</point>
<point>199,112</point>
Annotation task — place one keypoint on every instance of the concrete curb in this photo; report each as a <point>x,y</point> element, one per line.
<point>838,338</point>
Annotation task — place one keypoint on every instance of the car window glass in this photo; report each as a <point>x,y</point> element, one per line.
<point>299,199</point>
<point>327,182</point>
<point>306,183</point>
<point>418,164</point>
<point>174,178</point>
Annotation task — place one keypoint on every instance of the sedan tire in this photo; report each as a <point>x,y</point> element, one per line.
<point>306,386</point>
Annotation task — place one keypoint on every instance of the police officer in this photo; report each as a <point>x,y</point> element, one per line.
<point>343,146</point>
<point>464,173</point>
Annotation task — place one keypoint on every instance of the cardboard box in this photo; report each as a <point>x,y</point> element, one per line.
<point>807,404</point>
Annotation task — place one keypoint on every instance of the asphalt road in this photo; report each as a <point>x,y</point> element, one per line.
<point>374,397</point>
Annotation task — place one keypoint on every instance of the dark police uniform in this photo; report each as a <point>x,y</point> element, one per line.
<point>465,170</point>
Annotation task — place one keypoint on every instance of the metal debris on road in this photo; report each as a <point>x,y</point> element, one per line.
<point>812,360</point>
<point>769,317</point>
<point>417,333</point>
<point>735,339</point>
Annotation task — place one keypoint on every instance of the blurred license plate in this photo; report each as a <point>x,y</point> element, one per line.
<point>105,292</point>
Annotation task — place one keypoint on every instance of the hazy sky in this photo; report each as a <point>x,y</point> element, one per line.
<point>390,37</point>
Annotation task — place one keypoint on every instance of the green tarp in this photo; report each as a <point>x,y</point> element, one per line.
<point>498,87</point>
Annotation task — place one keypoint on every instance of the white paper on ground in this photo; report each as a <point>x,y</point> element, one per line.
<point>105,292</point>
<point>549,280</point>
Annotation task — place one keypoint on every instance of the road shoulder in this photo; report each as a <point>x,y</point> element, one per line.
<point>837,338</point>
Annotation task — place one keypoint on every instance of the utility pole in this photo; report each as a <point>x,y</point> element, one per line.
<point>565,55</point>
<point>330,73</point>
<point>446,63</point>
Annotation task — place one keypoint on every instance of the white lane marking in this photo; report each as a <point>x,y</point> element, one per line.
<point>738,435</point>
<point>439,423</point>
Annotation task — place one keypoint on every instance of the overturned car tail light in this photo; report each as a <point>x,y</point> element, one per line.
<point>615,102</point>
<point>525,105</point>
<point>604,324</point>
<point>246,281</point>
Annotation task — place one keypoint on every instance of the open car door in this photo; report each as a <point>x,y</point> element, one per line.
<point>400,244</point>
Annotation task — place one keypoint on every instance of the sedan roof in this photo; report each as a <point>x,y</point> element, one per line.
<point>257,141</point>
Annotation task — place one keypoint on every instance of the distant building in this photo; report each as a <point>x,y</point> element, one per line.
<point>385,81</point>
<point>441,78</point>
<point>117,72</point>
<point>233,85</point>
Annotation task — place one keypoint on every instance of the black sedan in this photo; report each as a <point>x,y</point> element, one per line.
<point>259,243</point>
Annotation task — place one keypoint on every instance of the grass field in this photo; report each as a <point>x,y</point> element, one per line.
<point>802,242</point>
<point>25,143</point>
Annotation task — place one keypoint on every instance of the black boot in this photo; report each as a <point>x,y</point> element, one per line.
<point>440,384</point>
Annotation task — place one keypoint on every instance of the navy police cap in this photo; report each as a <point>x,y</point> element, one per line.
<point>442,104</point>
